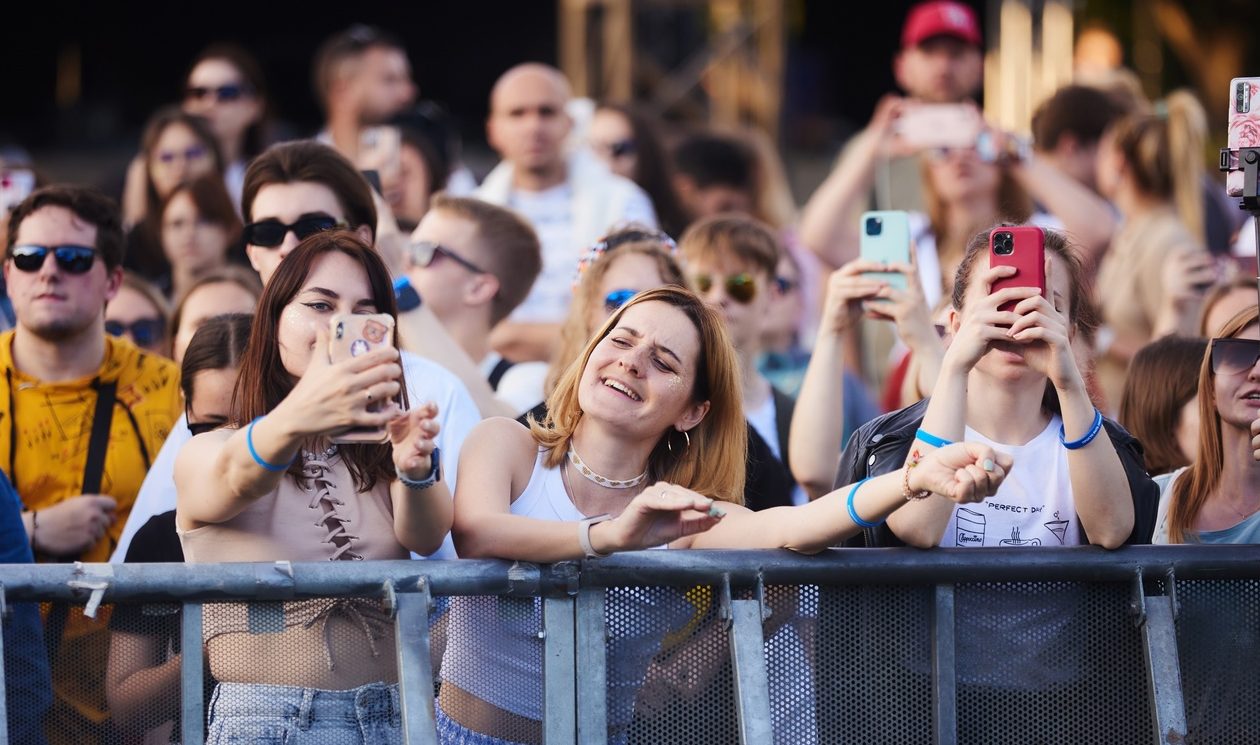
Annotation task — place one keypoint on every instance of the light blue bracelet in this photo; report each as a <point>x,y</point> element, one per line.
<point>249,440</point>
<point>931,439</point>
<point>853,515</point>
<point>1094,429</point>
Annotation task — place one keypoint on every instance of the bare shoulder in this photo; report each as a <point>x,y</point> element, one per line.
<point>501,435</point>
<point>200,453</point>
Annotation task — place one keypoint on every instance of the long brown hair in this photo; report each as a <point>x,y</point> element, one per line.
<point>1162,379</point>
<point>713,462</point>
<point>1201,479</point>
<point>264,382</point>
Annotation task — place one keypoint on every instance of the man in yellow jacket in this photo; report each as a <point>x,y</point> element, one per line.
<point>81,416</point>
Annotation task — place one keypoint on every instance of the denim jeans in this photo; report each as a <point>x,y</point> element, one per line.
<point>290,715</point>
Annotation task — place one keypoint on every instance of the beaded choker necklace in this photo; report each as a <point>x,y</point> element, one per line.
<point>586,471</point>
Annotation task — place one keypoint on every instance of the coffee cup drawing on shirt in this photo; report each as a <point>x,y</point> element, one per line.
<point>1057,527</point>
<point>970,527</point>
<point>1015,540</point>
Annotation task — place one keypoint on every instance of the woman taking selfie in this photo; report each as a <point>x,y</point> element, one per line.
<point>274,486</point>
<point>643,448</point>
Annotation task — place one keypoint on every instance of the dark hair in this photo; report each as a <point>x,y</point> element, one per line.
<point>509,248</point>
<point>652,168</point>
<point>743,237</point>
<point>218,344</point>
<point>264,382</point>
<point>213,204</point>
<point>87,204</point>
<point>426,127</point>
<point>1084,111</point>
<point>1163,378</point>
<point>153,130</point>
<point>343,46</point>
<point>713,160</point>
<point>247,65</point>
<point>308,160</point>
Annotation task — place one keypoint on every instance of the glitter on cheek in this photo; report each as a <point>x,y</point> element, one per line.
<point>675,382</point>
<point>296,336</point>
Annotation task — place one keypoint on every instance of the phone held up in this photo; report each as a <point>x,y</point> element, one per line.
<point>1244,127</point>
<point>353,335</point>
<point>927,126</point>
<point>886,239</point>
<point>1023,247</point>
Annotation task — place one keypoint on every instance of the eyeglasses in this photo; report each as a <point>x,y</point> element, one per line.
<point>1234,356</point>
<point>223,93</point>
<point>741,288</point>
<point>71,259</point>
<point>618,149</point>
<point>145,332</point>
<point>271,233</point>
<point>200,428</point>
<point>196,152</point>
<point>618,298</point>
<point>424,252</point>
<point>784,285</point>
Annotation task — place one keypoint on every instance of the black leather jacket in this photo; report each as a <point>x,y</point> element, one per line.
<point>881,446</point>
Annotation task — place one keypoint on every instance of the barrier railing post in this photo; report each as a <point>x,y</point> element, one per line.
<point>559,674</point>
<point>192,666</point>
<point>944,677</point>
<point>592,660</point>
<point>1156,615</point>
<point>415,665</point>
<point>748,659</point>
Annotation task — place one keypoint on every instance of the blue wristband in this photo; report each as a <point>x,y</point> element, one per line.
<point>1094,429</point>
<point>249,440</point>
<point>853,515</point>
<point>931,439</point>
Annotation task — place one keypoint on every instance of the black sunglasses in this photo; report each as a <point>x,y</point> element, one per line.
<point>1234,356</point>
<point>224,93</point>
<point>143,331</point>
<point>741,288</point>
<point>424,252</point>
<point>271,233</point>
<point>618,298</point>
<point>200,428</point>
<point>71,259</point>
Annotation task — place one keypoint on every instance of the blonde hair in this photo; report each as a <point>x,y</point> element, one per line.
<point>1201,479</point>
<point>711,460</point>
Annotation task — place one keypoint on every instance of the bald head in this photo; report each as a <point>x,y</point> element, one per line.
<point>528,123</point>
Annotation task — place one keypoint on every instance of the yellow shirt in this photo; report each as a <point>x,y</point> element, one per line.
<point>54,425</point>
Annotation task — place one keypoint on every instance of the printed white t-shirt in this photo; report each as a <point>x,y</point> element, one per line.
<point>551,213</point>
<point>1032,507</point>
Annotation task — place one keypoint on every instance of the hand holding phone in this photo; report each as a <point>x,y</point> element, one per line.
<point>353,335</point>
<point>1022,247</point>
<point>886,240</point>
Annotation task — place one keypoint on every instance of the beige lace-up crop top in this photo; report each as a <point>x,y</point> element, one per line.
<point>325,519</point>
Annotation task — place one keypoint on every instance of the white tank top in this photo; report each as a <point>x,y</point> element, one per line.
<point>494,650</point>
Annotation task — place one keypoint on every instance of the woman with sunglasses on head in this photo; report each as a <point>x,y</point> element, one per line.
<point>140,314</point>
<point>142,674</point>
<point>175,147</point>
<point>200,231</point>
<point>226,86</point>
<point>274,485</point>
<point>645,430</point>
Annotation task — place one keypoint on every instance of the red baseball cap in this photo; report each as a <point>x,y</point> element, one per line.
<point>940,18</point>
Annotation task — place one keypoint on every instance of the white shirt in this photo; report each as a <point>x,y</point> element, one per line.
<point>551,213</point>
<point>426,381</point>
<point>521,386</point>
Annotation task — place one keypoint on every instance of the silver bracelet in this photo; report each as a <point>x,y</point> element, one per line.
<point>584,536</point>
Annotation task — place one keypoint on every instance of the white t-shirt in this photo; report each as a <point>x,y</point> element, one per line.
<point>1032,507</point>
<point>426,381</point>
<point>521,386</point>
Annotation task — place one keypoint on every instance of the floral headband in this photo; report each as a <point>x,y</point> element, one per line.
<point>620,238</point>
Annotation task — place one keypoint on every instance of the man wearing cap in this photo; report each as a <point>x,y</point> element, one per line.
<point>940,60</point>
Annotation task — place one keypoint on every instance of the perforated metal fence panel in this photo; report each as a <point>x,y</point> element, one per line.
<point>1218,639</point>
<point>1050,662</point>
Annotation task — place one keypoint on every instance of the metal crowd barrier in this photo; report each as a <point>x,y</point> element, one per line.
<point>1144,579</point>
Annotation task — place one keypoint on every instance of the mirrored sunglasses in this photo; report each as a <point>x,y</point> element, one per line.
<point>617,298</point>
<point>741,288</point>
<point>70,259</point>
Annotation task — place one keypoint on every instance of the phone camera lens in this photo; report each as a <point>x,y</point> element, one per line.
<point>1003,244</point>
<point>340,331</point>
<point>874,225</point>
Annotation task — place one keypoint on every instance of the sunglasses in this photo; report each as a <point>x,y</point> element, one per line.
<point>620,148</point>
<point>200,428</point>
<point>741,288</point>
<point>223,93</point>
<point>271,233</point>
<point>1234,356</point>
<point>423,254</point>
<point>70,259</point>
<point>784,285</point>
<point>196,152</point>
<point>618,298</point>
<point>145,332</point>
